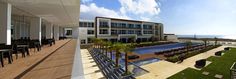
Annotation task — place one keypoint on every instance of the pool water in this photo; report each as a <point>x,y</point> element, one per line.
<point>146,61</point>
<point>158,48</point>
<point>136,69</point>
<point>137,63</point>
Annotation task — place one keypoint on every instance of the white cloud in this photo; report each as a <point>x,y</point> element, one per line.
<point>144,9</point>
<point>92,10</point>
<point>86,1</point>
<point>147,10</point>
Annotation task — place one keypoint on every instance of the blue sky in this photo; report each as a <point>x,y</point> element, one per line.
<point>201,17</point>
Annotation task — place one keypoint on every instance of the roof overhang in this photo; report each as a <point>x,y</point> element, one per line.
<point>59,12</point>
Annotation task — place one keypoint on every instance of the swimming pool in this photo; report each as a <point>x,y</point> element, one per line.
<point>135,67</point>
<point>146,61</point>
<point>158,48</point>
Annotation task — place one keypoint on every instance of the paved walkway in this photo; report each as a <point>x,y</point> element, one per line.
<point>164,69</point>
<point>91,70</point>
<point>190,62</point>
<point>56,66</point>
<point>10,71</point>
<point>161,70</point>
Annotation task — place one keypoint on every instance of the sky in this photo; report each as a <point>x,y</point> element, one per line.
<point>181,17</point>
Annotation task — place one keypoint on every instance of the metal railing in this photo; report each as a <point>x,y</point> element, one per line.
<point>233,71</point>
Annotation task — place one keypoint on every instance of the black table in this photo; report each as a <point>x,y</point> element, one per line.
<point>9,52</point>
<point>37,45</point>
<point>25,47</point>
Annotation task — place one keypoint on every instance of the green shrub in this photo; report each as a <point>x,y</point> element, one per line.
<point>190,54</point>
<point>173,58</point>
<point>152,44</point>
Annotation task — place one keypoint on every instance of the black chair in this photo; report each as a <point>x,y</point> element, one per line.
<point>6,54</point>
<point>227,48</point>
<point>16,50</point>
<point>200,63</point>
<point>37,44</point>
<point>26,48</point>
<point>219,53</point>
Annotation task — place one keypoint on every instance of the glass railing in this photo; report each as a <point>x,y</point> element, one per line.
<point>136,70</point>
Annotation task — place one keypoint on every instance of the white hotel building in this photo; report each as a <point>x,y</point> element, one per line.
<point>122,30</point>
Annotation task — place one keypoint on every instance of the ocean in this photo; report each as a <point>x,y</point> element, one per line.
<point>210,36</point>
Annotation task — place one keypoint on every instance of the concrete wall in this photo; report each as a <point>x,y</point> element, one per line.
<point>75,32</point>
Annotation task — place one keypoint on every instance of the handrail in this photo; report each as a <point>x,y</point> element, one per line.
<point>232,67</point>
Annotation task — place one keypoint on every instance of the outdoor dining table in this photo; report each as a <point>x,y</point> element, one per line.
<point>25,47</point>
<point>10,59</point>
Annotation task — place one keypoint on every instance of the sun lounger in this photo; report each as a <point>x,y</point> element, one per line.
<point>217,76</point>
<point>205,73</point>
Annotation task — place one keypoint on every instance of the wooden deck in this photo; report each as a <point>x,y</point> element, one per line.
<point>147,56</point>
<point>58,64</point>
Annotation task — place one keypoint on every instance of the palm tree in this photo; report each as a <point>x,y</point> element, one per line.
<point>93,40</point>
<point>99,42</point>
<point>205,42</point>
<point>102,46</point>
<point>110,48</point>
<point>117,47</point>
<point>153,39</point>
<point>133,39</point>
<point>127,49</point>
<point>216,40</point>
<point>96,42</point>
<point>106,45</point>
<point>188,45</point>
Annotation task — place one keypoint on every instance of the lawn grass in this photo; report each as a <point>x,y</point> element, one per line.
<point>220,65</point>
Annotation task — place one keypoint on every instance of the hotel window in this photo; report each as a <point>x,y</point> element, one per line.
<point>103,31</point>
<point>156,32</point>
<point>90,32</point>
<point>112,24</point>
<point>119,32</point>
<point>147,26</point>
<point>103,24</point>
<point>80,24</point>
<point>138,26</point>
<point>130,31</point>
<point>113,31</point>
<point>68,32</point>
<point>90,24</point>
<point>83,41</point>
<point>138,32</point>
<point>89,40</point>
<point>147,32</point>
<point>85,24</point>
<point>119,25</point>
<point>123,31</point>
<point>123,25</point>
<point>131,25</point>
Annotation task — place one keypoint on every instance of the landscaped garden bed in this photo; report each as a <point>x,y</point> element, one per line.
<point>144,44</point>
<point>180,57</point>
<point>220,65</point>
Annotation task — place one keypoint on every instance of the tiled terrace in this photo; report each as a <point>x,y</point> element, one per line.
<point>49,63</point>
<point>91,70</point>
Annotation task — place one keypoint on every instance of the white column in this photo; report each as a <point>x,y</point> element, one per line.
<point>5,23</point>
<point>49,31</point>
<point>61,31</point>
<point>56,32</point>
<point>75,32</point>
<point>35,28</point>
<point>43,30</point>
